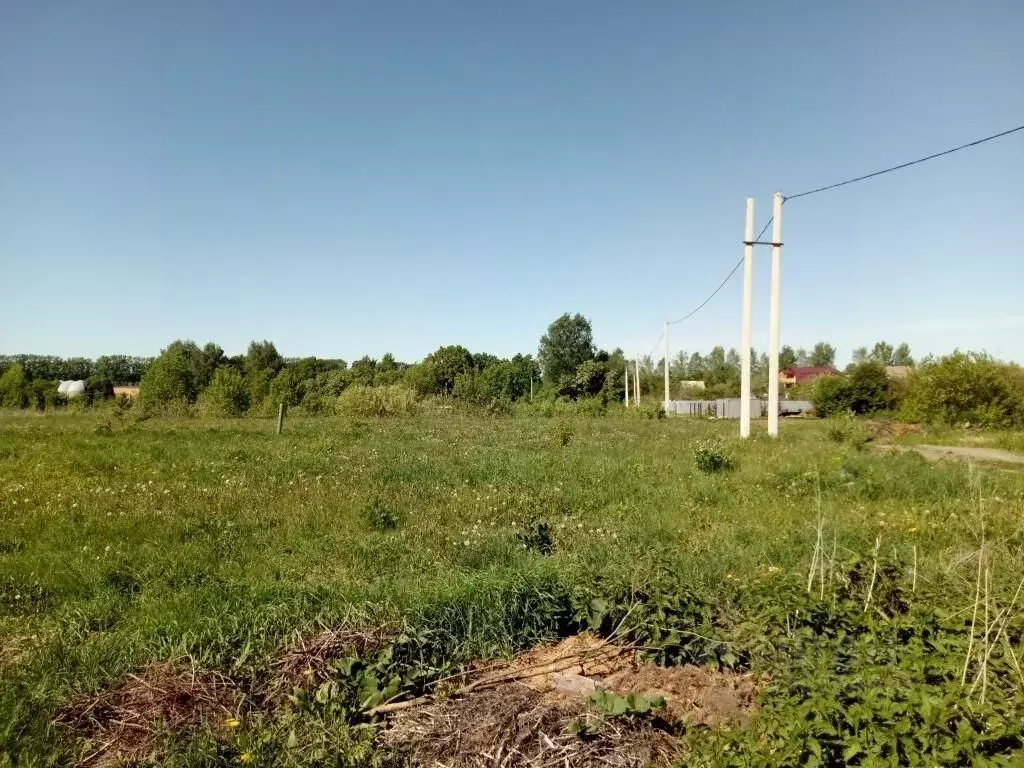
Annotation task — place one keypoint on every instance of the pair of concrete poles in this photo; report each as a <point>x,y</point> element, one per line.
<point>773,325</point>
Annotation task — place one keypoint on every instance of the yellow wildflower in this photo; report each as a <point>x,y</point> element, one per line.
<point>232,722</point>
<point>245,757</point>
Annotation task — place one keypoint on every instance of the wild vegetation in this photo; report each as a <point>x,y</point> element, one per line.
<point>568,367</point>
<point>203,592</point>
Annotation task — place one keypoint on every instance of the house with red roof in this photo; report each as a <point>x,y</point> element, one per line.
<point>801,374</point>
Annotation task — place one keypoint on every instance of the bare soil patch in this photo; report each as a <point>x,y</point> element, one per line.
<point>536,711</point>
<point>959,453</point>
<point>128,723</point>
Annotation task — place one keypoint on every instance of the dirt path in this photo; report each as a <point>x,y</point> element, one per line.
<point>959,453</point>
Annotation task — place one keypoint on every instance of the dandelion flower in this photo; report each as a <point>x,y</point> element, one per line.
<point>245,757</point>
<point>232,722</point>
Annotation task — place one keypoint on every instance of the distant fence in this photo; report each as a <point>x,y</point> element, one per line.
<point>729,408</point>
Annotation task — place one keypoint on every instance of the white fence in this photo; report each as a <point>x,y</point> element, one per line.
<point>729,408</point>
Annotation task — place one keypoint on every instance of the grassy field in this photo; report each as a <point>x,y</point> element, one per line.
<point>848,581</point>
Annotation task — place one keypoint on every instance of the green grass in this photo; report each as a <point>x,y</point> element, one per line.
<point>124,542</point>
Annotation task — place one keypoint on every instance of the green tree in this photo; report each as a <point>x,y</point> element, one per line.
<point>226,395</point>
<point>363,371</point>
<point>262,356</point>
<point>902,356</point>
<point>14,387</point>
<point>966,388</point>
<point>262,363</point>
<point>882,353</point>
<point>388,371</point>
<point>787,358</point>
<point>210,358</point>
<point>823,355</point>
<point>586,381</point>
<point>860,355</point>
<point>869,388</point>
<point>697,367</point>
<point>568,343</point>
<point>173,378</point>
<point>439,369</point>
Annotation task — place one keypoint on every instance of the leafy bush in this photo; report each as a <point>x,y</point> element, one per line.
<point>364,401</point>
<point>538,537</point>
<point>381,517</point>
<point>586,381</point>
<point>965,388</point>
<point>869,388</point>
<point>843,429</point>
<point>321,393</point>
<point>653,412</point>
<point>99,387</point>
<point>563,433</point>
<point>712,456</point>
<point>43,394</point>
<point>227,394</point>
<point>175,378</point>
<point>14,386</point>
<point>865,389</point>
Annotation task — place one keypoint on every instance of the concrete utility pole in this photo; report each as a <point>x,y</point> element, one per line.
<point>773,328</point>
<point>748,293</point>
<point>636,380</point>
<point>665,365</point>
<point>627,383</point>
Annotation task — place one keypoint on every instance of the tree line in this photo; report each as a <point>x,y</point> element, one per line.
<point>568,365</point>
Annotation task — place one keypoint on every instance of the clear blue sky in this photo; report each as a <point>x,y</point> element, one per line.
<point>347,178</point>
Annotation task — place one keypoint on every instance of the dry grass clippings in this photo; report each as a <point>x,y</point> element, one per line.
<point>129,722</point>
<point>534,711</point>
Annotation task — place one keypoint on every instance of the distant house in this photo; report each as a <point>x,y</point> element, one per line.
<point>791,377</point>
<point>692,384</point>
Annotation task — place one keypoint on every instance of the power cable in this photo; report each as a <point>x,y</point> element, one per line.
<point>901,166</point>
<point>721,285</point>
<point>826,188</point>
<point>656,343</point>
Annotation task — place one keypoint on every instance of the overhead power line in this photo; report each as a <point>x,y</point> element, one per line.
<point>826,188</point>
<point>721,285</point>
<point>651,352</point>
<point>901,166</point>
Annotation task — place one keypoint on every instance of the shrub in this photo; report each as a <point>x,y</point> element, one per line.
<point>14,387</point>
<point>563,433</point>
<point>865,389</point>
<point>42,394</point>
<point>226,395</point>
<point>361,400</point>
<point>712,456</point>
<point>538,537</point>
<point>381,517</point>
<point>869,388</point>
<point>321,393</point>
<point>174,378</point>
<point>653,412</point>
<point>965,388</point>
<point>843,429</point>
<point>99,388</point>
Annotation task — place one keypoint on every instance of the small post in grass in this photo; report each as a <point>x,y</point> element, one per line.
<point>280,417</point>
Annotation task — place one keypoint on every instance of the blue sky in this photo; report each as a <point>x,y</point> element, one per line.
<point>348,178</point>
